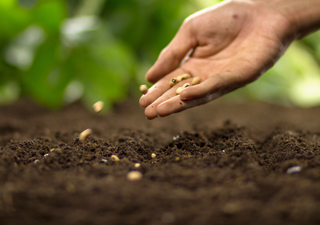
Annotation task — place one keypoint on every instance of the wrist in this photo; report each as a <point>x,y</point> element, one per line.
<point>304,15</point>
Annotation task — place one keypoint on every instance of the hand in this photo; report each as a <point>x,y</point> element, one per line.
<point>231,45</point>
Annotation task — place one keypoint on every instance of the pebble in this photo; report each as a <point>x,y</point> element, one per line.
<point>294,169</point>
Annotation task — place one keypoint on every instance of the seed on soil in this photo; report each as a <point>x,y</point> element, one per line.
<point>115,158</point>
<point>143,89</point>
<point>186,85</point>
<point>52,150</point>
<point>46,155</point>
<point>179,89</point>
<point>36,161</point>
<point>177,158</point>
<point>173,81</point>
<point>97,107</point>
<point>153,155</point>
<point>137,165</point>
<point>294,169</point>
<point>134,175</point>
<point>84,134</point>
<point>196,81</point>
<point>104,160</point>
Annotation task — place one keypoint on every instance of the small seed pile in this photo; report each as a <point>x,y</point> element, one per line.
<point>182,77</point>
<point>195,81</point>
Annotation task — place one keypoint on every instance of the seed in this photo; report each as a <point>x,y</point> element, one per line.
<point>186,85</point>
<point>134,175</point>
<point>97,107</point>
<point>84,134</point>
<point>180,78</point>
<point>153,155</point>
<point>179,89</point>
<point>46,155</point>
<point>143,89</point>
<point>173,82</point>
<point>177,158</point>
<point>137,165</point>
<point>185,76</point>
<point>36,161</point>
<point>115,158</point>
<point>52,150</point>
<point>196,80</point>
<point>104,160</point>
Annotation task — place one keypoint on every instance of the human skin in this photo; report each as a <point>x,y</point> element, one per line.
<point>228,46</point>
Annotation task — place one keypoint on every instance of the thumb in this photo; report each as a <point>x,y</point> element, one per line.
<point>171,56</point>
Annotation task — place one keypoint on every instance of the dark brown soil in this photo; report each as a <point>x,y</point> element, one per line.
<point>221,163</point>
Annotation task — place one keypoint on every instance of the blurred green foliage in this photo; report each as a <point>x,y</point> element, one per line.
<point>59,51</point>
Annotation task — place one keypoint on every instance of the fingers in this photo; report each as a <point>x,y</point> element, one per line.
<point>151,110</point>
<point>171,57</point>
<point>158,88</point>
<point>205,88</point>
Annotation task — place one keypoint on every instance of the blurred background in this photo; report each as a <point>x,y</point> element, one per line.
<point>59,51</point>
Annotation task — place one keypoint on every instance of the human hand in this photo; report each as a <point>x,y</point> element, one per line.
<point>232,44</point>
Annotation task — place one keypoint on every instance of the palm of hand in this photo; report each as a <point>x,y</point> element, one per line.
<point>232,45</point>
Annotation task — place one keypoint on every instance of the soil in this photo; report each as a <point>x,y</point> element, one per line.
<point>222,163</point>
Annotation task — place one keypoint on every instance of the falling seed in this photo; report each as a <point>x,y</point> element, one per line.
<point>143,89</point>
<point>137,165</point>
<point>97,107</point>
<point>115,158</point>
<point>173,81</point>
<point>134,175</point>
<point>46,155</point>
<point>196,81</point>
<point>186,85</point>
<point>294,169</point>
<point>153,155</point>
<point>179,89</point>
<point>84,134</point>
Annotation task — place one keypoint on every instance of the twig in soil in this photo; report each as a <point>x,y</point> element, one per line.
<point>97,107</point>
<point>134,175</point>
<point>84,134</point>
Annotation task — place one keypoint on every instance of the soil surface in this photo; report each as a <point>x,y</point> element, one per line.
<point>222,163</point>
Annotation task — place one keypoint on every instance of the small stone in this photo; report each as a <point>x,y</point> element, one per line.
<point>137,165</point>
<point>153,155</point>
<point>294,169</point>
